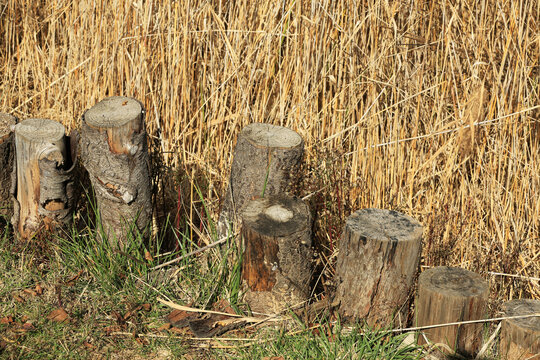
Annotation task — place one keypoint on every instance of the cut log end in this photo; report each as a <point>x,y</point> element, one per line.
<point>384,225</point>
<point>112,112</point>
<point>41,131</point>
<point>449,294</point>
<point>520,338</point>
<point>271,136</point>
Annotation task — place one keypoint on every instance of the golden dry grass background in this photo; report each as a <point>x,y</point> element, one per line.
<point>430,108</point>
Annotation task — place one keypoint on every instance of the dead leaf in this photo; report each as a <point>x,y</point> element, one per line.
<point>148,256</point>
<point>119,318</point>
<point>24,318</point>
<point>113,328</point>
<point>180,318</point>
<point>164,327</point>
<point>72,281</point>
<point>58,315</point>
<point>146,307</point>
<point>39,289</point>
<point>88,345</point>
<point>7,320</point>
<point>141,341</point>
<point>273,358</point>
<point>27,326</point>
<point>18,298</point>
<point>30,292</point>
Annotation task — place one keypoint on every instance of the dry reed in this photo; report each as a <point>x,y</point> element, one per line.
<point>347,75</point>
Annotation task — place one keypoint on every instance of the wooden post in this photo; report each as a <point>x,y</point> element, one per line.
<point>378,258</point>
<point>267,160</point>
<point>449,294</point>
<point>7,156</point>
<point>44,177</point>
<point>520,338</point>
<point>114,150</point>
<point>277,260</point>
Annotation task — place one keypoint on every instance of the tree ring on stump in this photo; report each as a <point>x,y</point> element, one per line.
<point>41,130</point>
<point>113,112</point>
<point>271,136</point>
<point>453,281</point>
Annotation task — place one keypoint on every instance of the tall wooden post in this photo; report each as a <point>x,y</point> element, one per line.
<point>267,160</point>
<point>114,150</point>
<point>448,294</point>
<point>7,156</point>
<point>378,259</point>
<point>44,177</point>
<point>277,260</point>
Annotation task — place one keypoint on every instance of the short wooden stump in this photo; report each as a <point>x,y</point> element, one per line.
<point>447,295</point>
<point>276,268</point>
<point>520,338</point>
<point>377,261</point>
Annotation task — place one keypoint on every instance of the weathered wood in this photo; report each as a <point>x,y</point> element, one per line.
<point>449,294</point>
<point>44,177</point>
<point>276,267</point>
<point>267,159</point>
<point>114,151</point>
<point>520,338</point>
<point>7,157</point>
<point>379,253</point>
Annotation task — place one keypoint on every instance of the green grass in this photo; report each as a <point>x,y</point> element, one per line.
<point>102,289</point>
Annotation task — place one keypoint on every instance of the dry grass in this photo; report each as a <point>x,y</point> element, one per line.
<point>385,93</point>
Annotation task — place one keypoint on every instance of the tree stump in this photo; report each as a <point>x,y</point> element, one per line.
<point>446,295</point>
<point>276,268</point>
<point>44,177</point>
<point>7,156</point>
<point>378,259</point>
<point>267,160</point>
<point>520,338</point>
<point>114,151</point>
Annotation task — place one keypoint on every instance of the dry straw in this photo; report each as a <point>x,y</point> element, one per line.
<point>357,74</point>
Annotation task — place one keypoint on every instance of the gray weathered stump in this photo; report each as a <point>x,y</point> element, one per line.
<point>267,160</point>
<point>44,177</point>
<point>446,295</point>
<point>276,267</point>
<point>520,338</point>
<point>378,259</point>
<point>114,151</point>
<point>7,156</point>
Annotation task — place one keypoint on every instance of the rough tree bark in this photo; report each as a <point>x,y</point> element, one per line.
<point>44,177</point>
<point>114,151</point>
<point>448,294</point>
<point>267,159</point>
<point>520,338</point>
<point>7,156</point>
<point>276,268</point>
<point>378,258</point>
